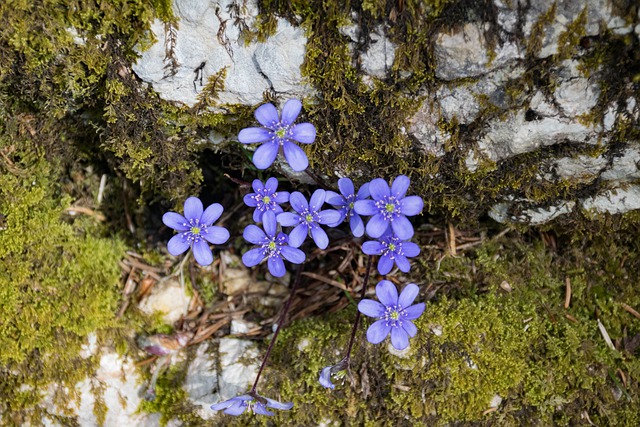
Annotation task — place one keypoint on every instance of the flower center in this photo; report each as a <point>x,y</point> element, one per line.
<point>308,217</point>
<point>266,200</point>
<point>195,230</point>
<point>393,315</point>
<point>280,133</point>
<point>389,207</point>
<point>351,205</point>
<point>272,246</point>
<point>392,247</point>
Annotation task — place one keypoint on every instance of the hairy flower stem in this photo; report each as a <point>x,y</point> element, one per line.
<point>281,320</point>
<point>365,282</point>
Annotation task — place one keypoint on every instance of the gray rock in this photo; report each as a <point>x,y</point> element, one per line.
<point>378,59</point>
<point>206,40</point>
<point>201,381</point>
<point>459,103</point>
<point>424,127</point>
<point>575,94</point>
<point>168,298</point>
<point>624,167</point>
<point>614,201</point>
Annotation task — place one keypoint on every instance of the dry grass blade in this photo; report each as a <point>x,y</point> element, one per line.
<point>206,332</point>
<point>325,280</point>
<point>629,309</point>
<point>567,295</point>
<point>605,335</point>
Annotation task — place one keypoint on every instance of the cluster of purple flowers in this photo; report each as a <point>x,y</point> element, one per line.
<point>388,226</point>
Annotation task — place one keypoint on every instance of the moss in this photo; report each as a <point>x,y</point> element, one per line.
<point>536,38</point>
<point>569,40</point>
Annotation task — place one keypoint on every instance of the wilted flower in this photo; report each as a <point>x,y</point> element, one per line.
<point>265,198</point>
<point>279,131</point>
<point>256,403</point>
<point>195,229</point>
<point>162,344</point>
<point>308,219</point>
<point>391,250</point>
<point>272,245</point>
<point>394,313</point>
<point>337,371</point>
<point>389,208</point>
<point>345,203</point>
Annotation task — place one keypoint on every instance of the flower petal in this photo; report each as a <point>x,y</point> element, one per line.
<point>365,207</point>
<point>193,208</point>
<point>371,308</point>
<point>410,249</point>
<point>202,252</point>
<point>401,226</point>
<point>295,156</point>
<point>346,187</point>
<point>271,185</point>
<point>400,186</point>
<point>379,189</point>
<point>265,155</point>
<point>216,235</point>
<point>249,200</point>
<point>387,293</point>
<point>267,115</point>
<point>298,202</point>
<point>317,199</point>
<point>399,338</point>
<point>335,199</point>
<point>372,247</point>
<point>290,111</point>
<point>260,409</point>
<point>304,133</point>
<point>330,216</point>
<point>363,192</point>
<point>211,214</point>
<point>411,205</point>
<point>403,263</point>
<point>257,215</point>
<point>408,294</point>
<point>320,237</point>
<point>254,234</point>
<point>175,221</point>
<point>281,197</point>
<point>378,331</point>
<point>257,186</point>
<point>293,255</point>
<point>357,225</point>
<point>377,226</point>
<point>276,266</point>
<point>414,311</point>
<point>288,219</point>
<point>269,223</point>
<point>177,245</point>
<point>410,328</point>
<point>253,135</point>
<point>385,264</point>
<point>285,406</point>
<point>325,378</point>
<point>253,257</point>
<point>297,235</point>
<point>235,409</point>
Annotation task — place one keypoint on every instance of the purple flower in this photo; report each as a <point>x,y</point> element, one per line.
<point>265,198</point>
<point>279,131</point>
<point>389,208</point>
<point>394,313</point>
<point>392,249</point>
<point>308,218</point>
<point>257,404</point>
<point>271,246</point>
<point>345,203</point>
<point>195,230</point>
<point>337,371</point>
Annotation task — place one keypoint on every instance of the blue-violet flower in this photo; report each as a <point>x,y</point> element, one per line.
<point>257,404</point>
<point>272,245</point>
<point>307,218</point>
<point>279,131</point>
<point>391,249</point>
<point>389,208</point>
<point>394,313</point>
<point>345,202</point>
<point>337,371</point>
<point>265,198</point>
<point>195,229</point>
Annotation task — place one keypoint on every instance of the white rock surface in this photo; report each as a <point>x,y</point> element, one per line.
<point>614,201</point>
<point>378,59</point>
<point>625,166</point>
<point>239,363</point>
<point>201,381</point>
<point>168,298</point>
<point>458,102</point>
<point>207,33</point>
<point>119,386</point>
<point>575,94</point>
